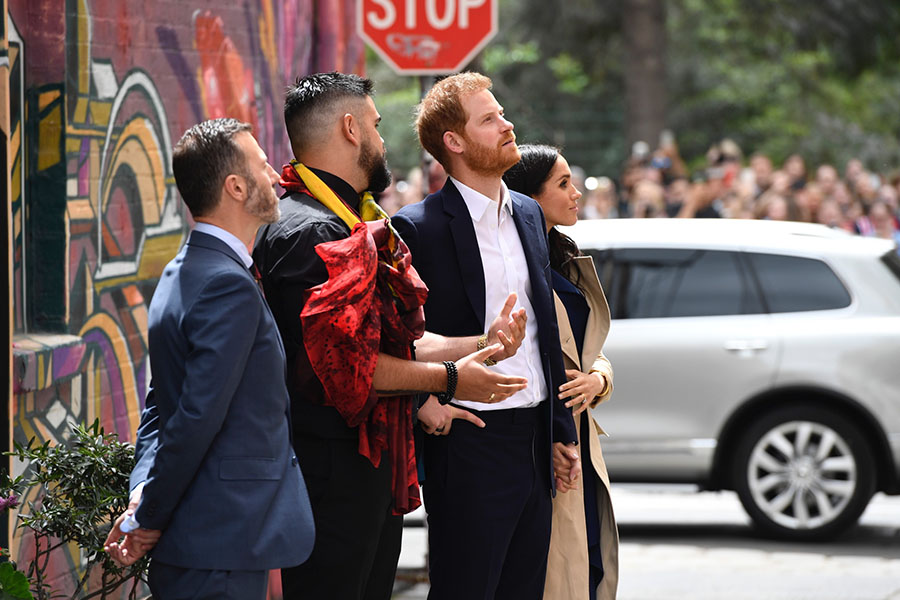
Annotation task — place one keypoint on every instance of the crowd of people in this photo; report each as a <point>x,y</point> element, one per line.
<point>657,183</point>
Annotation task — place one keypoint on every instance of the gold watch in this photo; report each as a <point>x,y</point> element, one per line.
<point>482,344</point>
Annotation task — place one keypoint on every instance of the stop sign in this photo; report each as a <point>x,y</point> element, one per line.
<point>426,37</point>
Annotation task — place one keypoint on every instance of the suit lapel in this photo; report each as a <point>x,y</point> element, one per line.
<point>466,245</point>
<point>535,255</point>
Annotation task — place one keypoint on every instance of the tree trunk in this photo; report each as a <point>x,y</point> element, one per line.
<point>644,29</point>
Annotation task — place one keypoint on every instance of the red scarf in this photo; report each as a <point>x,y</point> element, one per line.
<point>368,305</point>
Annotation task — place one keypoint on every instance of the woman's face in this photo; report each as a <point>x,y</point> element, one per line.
<point>558,196</point>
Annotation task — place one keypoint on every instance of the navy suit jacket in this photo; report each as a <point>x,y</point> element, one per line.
<point>441,237</point>
<point>222,481</point>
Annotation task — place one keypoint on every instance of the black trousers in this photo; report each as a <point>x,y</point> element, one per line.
<point>488,501</point>
<point>168,582</point>
<point>357,538</point>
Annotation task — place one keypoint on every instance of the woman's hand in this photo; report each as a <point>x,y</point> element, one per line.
<point>581,389</point>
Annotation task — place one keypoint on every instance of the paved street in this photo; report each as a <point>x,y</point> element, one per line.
<point>680,545</point>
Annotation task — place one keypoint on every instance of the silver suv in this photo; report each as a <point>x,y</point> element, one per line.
<point>756,356</point>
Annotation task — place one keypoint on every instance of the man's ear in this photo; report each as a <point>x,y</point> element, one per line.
<point>350,128</point>
<point>236,187</point>
<point>454,142</point>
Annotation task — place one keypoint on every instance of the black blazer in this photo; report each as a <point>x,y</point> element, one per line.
<point>441,237</point>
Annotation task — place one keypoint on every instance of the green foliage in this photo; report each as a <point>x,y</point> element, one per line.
<point>819,78</point>
<point>85,487</point>
<point>569,73</point>
<point>784,77</point>
<point>396,98</point>
<point>13,584</point>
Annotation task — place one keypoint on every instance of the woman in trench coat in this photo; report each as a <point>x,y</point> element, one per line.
<point>584,544</point>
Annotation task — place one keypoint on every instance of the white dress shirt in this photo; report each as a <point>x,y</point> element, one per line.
<point>505,271</point>
<point>229,238</point>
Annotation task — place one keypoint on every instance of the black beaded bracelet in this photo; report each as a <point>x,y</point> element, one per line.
<point>452,378</point>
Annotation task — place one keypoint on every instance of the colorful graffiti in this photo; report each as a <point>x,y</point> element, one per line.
<point>98,93</point>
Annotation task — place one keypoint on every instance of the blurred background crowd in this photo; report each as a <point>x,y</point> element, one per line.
<point>656,183</point>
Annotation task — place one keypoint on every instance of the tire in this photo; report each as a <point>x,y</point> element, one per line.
<point>804,473</point>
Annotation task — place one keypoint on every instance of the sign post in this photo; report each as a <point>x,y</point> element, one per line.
<point>426,37</point>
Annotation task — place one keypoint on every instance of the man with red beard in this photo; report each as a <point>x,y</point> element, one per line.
<point>488,490</point>
<point>348,306</point>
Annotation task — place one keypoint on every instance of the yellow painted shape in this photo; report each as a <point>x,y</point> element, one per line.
<point>81,109</point>
<point>158,251</point>
<point>81,210</point>
<point>50,134</point>
<point>13,55</point>
<point>73,143</point>
<point>138,147</point>
<point>46,98</point>
<point>85,132</point>
<point>107,325</point>
<point>100,112</point>
<point>15,177</point>
<point>41,370</point>
<point>83,46</point>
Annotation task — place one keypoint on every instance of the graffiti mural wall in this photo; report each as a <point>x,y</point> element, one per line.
<point>99,90</point>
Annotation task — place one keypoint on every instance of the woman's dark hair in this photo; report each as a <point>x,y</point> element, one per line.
<point>528,176</point>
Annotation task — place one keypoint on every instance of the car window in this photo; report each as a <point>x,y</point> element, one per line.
<point>794,283</point>
<point>892,261</point>
<point>652,283</point>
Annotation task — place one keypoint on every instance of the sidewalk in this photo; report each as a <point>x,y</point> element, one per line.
<point>683,545</point>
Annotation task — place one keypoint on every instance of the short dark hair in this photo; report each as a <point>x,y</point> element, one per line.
<point>310,104</point>
<point>204,156</point>
<point>529,175</point>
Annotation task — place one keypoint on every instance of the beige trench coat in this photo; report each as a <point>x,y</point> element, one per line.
<point>567,567</point>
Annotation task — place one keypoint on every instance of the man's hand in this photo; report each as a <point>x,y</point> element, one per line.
<point>437,419</point>
<point>581,389</point>
<point>566,466</point>
<point>135,544</point>
<point>508,329</point>
<point>477,383</point>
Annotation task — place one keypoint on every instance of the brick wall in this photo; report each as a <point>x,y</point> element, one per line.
<point>99,91</point>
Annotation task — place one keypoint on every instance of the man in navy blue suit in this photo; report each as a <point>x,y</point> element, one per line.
<point>488,491</point>
<point>217,484</point>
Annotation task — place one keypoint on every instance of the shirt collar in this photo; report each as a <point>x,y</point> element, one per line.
<point>478,203</point>
<point>340,187</point>
<point>229,238</point>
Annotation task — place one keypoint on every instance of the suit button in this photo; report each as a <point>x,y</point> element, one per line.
<point>293,461</point>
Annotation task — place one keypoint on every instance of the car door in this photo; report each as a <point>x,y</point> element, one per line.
<point>689,341</point>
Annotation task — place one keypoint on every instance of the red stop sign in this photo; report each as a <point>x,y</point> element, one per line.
<point>426,37</point>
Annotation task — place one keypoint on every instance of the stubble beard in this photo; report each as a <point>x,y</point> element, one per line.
<point>262,202</point>
<point>374,165</point>
<point>485,160</point>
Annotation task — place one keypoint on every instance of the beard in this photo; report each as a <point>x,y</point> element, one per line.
<point>375,167</point>
<point>487,160</point>
<point>262,202</point>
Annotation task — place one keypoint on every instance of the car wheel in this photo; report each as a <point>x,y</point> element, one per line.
<point>804,473</point>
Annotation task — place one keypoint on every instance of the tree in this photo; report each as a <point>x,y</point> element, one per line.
<point>644,32</point>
